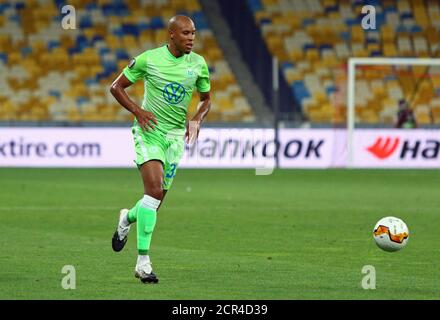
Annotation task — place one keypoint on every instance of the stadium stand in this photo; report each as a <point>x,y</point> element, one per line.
<point>51,74</point>
<point>314,38</point>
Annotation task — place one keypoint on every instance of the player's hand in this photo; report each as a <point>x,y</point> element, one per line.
<point>146,119</point>
<point>192,131</point>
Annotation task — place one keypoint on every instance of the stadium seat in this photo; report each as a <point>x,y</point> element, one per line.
<point>326,33</point>
<point>61,67</point>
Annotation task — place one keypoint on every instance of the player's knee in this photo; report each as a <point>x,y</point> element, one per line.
<point>156,192</point>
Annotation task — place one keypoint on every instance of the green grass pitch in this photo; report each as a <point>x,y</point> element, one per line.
<point>221,234</point>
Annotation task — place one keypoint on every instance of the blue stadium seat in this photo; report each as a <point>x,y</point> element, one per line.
<point>26,51</point>
<point>372,3</point>
<point>255,5</point>
<point>325,46</point>
<point>131,29</point>
<point>82,42</point>
<point>4,57</point>
<point>350,22</point>
<point>81,100</point>
<point>334,8</point>
<point>416,28</point>
<point>104,50</point>
<point>330,89</point>
<point>74,50</point>
<point>91,6</point>
<point>97,38</point>
<point>300,91</point>
<point>19,5</point>
<point>377,53</point>
<point>89,82</point>
<point>121,54</point>
<point>265,21</point>
<point>4,6</point>
<point>307,21</point>
<point>15,18</point>
<point>406,15</point>
<point>345,35</point>
<point>156,23</point>
<point>55,93</point>
<point>108,10</point>
<point>309,46</point>
<point>200,20</point>
<point>85,22</point>
<point>287,65</point>
<point>53,44</point>
<point>143,26</point>
<point>390,9</point>
<point>402,28</point>
<point>60,3</point>
<point>371,40</point>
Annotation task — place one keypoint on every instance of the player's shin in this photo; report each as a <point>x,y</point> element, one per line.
<point>146,220</point>
<point>132,213</point>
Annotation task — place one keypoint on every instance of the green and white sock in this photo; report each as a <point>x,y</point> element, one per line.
<point>146,220</point>
<point>132,213</point>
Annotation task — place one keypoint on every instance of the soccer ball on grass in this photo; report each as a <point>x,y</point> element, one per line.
<point>391,234</point>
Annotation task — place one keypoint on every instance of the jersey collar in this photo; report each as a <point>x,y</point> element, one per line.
<point>172,56</point>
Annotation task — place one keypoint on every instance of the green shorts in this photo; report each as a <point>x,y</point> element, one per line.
<point>154,145</point>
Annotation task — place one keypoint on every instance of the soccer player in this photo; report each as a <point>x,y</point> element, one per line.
<point>405,116</point>
<point>160,129</point>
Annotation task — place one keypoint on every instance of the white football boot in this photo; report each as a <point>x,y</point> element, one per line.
<point>120,236</point>
<point>144,271</point>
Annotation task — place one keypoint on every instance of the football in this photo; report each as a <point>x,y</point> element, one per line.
<point>391,234</point>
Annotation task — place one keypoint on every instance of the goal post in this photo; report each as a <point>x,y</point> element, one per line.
<point>351,94</point>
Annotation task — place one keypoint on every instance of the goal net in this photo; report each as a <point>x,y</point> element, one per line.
<point>378,89</point>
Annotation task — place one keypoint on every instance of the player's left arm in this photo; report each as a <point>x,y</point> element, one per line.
<point>203,86</point>
<point>193,126</point>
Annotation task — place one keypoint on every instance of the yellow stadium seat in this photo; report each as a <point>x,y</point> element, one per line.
<point>269,2</point>
<point>161,36</point>
<point>113,42</point>
<point>214,53</point>
<point>167,14</point>
<point>320,97</point>
<point>193,5</point>
<point>259,15</point>
<point>357,34</point>
<point>312,55</point>
<point>390,50</point>
<point>129,42</point>
<point>88,63</point>
<point>388,34</point>
<point>295,55</point>
<point>423,119</point>
<point>103,2</point>
<point>328,3</point>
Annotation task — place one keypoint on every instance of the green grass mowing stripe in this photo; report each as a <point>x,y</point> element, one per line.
<point>221,234</point>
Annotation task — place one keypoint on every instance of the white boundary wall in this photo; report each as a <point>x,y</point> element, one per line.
<point>225,148</point>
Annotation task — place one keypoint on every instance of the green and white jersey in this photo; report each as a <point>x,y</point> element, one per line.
<point>169,84</point>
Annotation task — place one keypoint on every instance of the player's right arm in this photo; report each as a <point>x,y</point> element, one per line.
<point>145,118</point>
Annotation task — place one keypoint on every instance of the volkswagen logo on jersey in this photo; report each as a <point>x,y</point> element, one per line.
<point>174,93</point>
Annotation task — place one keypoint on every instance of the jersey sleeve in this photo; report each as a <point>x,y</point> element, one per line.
<point>203,84</point>
<point>137,68</point>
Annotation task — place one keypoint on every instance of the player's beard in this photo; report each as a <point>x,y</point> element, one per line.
<point>187,50</point>
<point>187,47</point>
